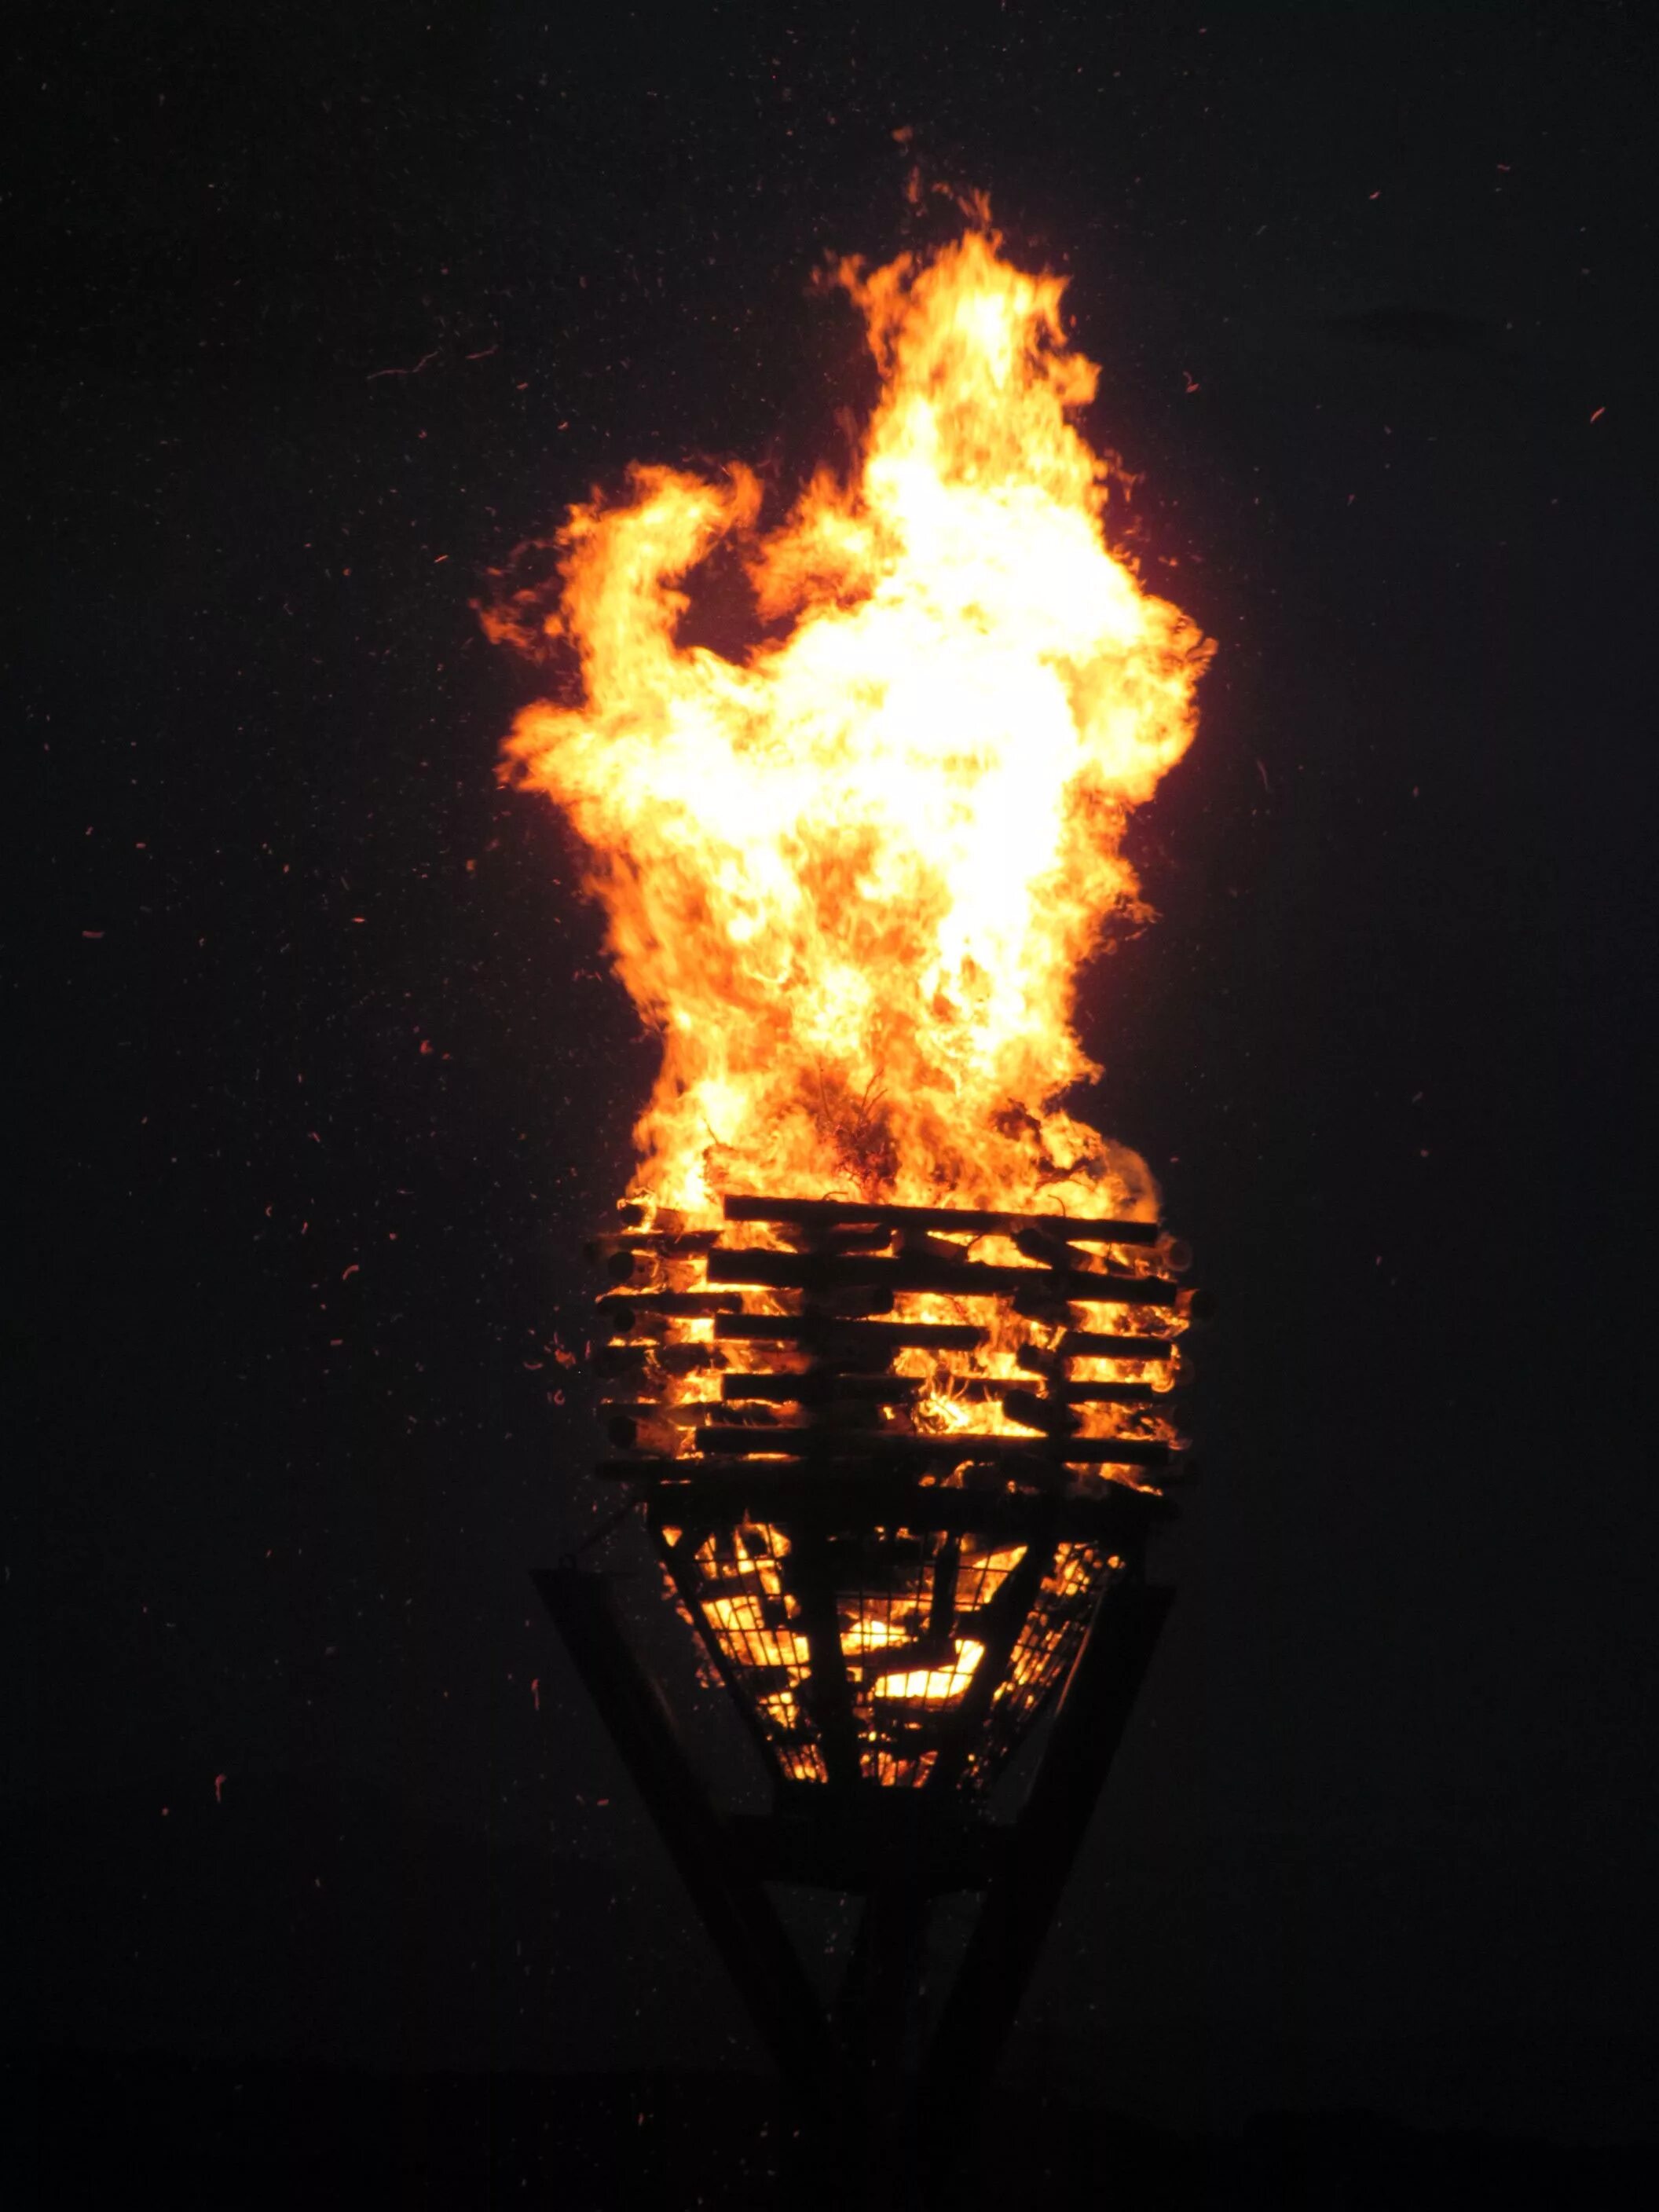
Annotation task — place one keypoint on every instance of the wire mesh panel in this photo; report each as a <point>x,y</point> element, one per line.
<point>1044,1649</point>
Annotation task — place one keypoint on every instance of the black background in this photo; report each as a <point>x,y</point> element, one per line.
<point>317,313</point>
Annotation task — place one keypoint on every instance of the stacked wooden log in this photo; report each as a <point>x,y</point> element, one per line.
<point>797,1367</point>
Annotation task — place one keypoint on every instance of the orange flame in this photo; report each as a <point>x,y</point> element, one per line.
<point>851,877</point>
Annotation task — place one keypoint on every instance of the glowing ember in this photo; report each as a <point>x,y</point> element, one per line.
<point>852,878</point>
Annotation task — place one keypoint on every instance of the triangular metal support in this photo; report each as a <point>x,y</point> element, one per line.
<point>846,2069</point>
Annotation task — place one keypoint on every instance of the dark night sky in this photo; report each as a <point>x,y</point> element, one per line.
<point>313,318</point>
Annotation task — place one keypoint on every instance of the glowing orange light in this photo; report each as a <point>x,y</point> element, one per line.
<point>851,876</point>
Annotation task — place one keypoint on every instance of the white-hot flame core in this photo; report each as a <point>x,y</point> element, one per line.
<point>851,878</point>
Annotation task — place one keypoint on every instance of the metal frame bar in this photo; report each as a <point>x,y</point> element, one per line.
<point>1006,1611</point>
<point>691,1593</point>
<point>807,1576</point>
<point>1021,1901</point>
<point>734,1907</point>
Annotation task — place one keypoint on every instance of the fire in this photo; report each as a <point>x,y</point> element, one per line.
<point>851,876</point>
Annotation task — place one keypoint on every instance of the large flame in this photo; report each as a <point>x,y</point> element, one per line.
<point>851,877</point>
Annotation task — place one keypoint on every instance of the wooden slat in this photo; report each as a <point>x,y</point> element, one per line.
<point>685,1244</point>
<point>822,1387</point>
<point>623,1308</point>
<point>965,1280</point>
<point>976,1389</point>
<point>685,1415</point>
<point>1091,1344</point>
<point>811,1444</point>
<point>825,1329</point>
<point>969,1221</point>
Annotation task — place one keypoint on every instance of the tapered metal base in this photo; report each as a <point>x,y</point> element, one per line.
<point>898,2122</point>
